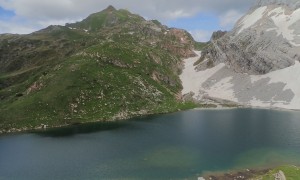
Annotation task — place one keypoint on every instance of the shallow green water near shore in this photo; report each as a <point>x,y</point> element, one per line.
<point>173,146</point>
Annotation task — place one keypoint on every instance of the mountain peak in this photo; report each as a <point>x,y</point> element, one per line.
<point>290,3</point>
<point>110,8</point>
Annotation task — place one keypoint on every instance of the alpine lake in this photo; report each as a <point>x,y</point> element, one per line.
<point>181,145</point>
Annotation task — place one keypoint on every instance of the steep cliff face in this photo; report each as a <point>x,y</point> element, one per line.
<point>264,40</point>
<point>255,64</point>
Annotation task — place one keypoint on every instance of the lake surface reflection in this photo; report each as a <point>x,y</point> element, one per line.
<point>173,146</point>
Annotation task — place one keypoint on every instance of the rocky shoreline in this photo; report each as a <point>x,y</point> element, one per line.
<point>279,173</point>
<point>119,117</point>
<point>126,117</point>
<point>245,174</point>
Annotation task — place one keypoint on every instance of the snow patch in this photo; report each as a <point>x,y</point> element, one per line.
<point>284,23</point>
<point>250,19</point>
<point>289,78</point>
<point>271,29</point>
<point>191,79</point>
<point>223,90</point>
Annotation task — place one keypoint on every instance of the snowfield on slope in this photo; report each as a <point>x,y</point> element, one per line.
<point>250,19</point>
<point>278,89</point>
<point>284,22</point>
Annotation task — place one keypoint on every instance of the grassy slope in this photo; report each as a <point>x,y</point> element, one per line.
<point>199,46</point>
<point>290,172</point>
<point>103,80</point>
<point>86,89</point>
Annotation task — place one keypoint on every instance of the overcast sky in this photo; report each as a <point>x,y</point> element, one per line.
<point>199,17</point>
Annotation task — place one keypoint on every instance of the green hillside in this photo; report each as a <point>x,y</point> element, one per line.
<point>112,65</point>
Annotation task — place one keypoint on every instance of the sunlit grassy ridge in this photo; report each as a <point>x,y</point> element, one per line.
<point>112,65</point>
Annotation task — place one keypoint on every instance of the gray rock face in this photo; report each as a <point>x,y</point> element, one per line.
<point>264,40</point>
<point>217,35</point>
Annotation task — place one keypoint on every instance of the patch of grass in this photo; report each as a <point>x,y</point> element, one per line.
<point>290,172</point>
<point>207,106</point>
<point>156,22</point>
<point>199,46</point>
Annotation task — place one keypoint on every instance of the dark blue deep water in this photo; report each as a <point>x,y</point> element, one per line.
<point>173,146</point>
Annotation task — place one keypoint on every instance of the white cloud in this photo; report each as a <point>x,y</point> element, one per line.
<point>228,19</point>
<point>201,35</point>
<point>177,14</point>
<point>41,13</point>
<point>14,28</point>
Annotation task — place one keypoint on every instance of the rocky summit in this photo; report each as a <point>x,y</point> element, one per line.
<point>112,65</point>
<point>255,64</point>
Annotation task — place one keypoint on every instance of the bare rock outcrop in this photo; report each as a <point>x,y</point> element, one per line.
<point>264,40</point>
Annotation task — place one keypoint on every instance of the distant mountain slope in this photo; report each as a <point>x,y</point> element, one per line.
<point>255,64</point>
<point>112,65</point>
